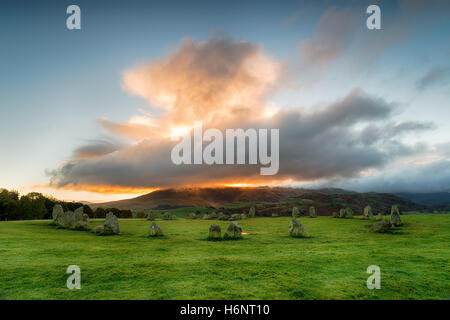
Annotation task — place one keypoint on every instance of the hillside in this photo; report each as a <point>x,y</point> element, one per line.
<point>272,200</point>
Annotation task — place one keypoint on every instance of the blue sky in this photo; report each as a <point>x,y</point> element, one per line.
<point>55,84</point>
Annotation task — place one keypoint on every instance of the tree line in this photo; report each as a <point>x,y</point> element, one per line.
<point>35,205</point>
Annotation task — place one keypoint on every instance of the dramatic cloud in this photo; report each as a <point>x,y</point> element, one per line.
<point>216,81</point>
<point>438,75</point>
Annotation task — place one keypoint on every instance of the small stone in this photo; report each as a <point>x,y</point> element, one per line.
<point>155,230</point>
<point>99,229</point>
<point>243,216</point>
<point>335,214</point>
<point>233,231</point>
<point>368,212</point>
<point>395,216</point>
<point>380,227</point>
<point>111,224</point>
<point>295,212</point>
<point>214,232</point>
<point>296,229</point>
<point>312,212</point>
<point>166,216</point>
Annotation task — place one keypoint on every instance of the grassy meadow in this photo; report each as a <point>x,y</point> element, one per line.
<point>265,264</point>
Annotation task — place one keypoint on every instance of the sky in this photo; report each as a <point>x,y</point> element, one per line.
<point>89,114</point>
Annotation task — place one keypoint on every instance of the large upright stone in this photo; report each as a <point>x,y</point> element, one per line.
<point>233,231</point>
<point>342,213</point>
<point>368,212</point>
<point>84,223</point>
<point>191,215</point>
<point>79,211</point>
<point>214,232</point>
<point>57,210</point>
<point>295,212</point>
<point>111,224</point>
<point>65,220</point>
<point>312,212</point>
<point>243,216</point>
<point>395,216</point>
<point>297,229</point>
<point>166,216</point>
<point>155,230</point>
<point>252,212</point>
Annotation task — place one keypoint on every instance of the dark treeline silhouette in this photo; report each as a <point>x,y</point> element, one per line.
<point>32,206</point>
<point>35,205</point>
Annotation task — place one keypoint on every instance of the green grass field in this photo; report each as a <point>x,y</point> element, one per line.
<point>265,264</point>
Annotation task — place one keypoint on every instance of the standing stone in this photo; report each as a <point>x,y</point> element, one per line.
<point>295,212</point>
<point>379,216</point>
<point>368,212</point>
<point>57,210</point>
<point>155,230</point>
<point>335,214</point>
<point>243,216</point>
<point>274,214</point>
<point>66,219</point>
<point>220,216</point>
<point>111,224</point>
<point>79,210</point>
<point>166,216</point>
<point>380,227</point>
<point>395,216</point>
<point>252,212</point>
<point>84,223</point>
<point>233,231</point>
<point>312,212</point>
<point>214,232</point>
<point>349,212</point>
<point>342,213</point>
<point>99,229</point>
<point>296,229</point>
<point>173,217</point>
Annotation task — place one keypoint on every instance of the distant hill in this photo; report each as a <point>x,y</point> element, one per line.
<point>429,199</point>
<point>328,199</point>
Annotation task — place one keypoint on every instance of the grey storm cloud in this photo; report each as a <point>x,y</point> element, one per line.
<point>320,144</point>
<point>437,75</point>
